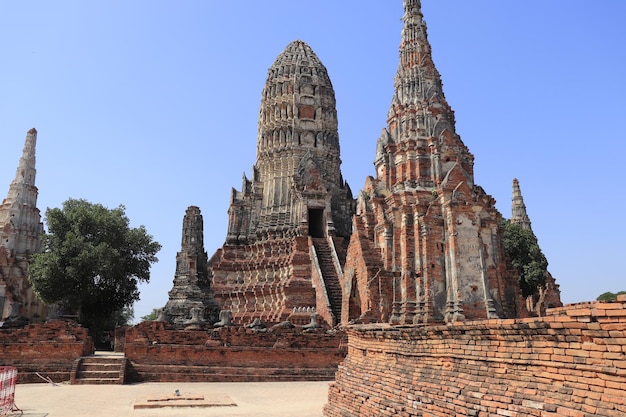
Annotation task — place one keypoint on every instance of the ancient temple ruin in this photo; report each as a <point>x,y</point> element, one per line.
<point>421,244</point>
<point>289,224</point>
<point>20,237</point>
<point>549,294</point>
<point>296,187</point>
<point>192,289</point>
<point>427,245</point>
<point>518,208</point>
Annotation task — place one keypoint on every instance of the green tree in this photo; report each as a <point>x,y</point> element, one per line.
<point>153,315</point>
<point>526,256</point>
<point>609,296</point>
<point>92,261</point>
<point>123,317</point>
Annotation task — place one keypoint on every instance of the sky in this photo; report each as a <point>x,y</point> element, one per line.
<point>154,105</point>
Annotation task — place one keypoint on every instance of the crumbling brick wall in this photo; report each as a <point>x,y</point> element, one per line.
<point>570,363</point>
<point>49,349</point>
<point>158,353</point>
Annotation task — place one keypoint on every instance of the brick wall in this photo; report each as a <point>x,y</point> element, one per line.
<point>49,349</point>
<point>158,353</point>
<point>570,363</point>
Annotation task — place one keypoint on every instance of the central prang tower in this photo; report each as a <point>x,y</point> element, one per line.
<point>427,245</point>
<point>296,187</point>
<point>290,223</point>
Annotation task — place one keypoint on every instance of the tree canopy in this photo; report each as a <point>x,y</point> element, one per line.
<point>609,296</point>
<point>92,261</point>
<point>526,256</point>
<point>153,315</point>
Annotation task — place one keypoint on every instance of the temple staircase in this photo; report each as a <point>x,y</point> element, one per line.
<point>329,274</point>
<point>109,368</point>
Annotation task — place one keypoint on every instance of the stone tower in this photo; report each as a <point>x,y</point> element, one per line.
<point>518,208</point>
<point>289,224</point>
<point>191,288</point>
<point>549,295</point>
<point>20,237</point>
<point>427,244</point>
<point>296,187</point>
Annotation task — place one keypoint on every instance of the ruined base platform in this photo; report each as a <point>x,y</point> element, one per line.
<point>158,353</point>
<point>184,400</point>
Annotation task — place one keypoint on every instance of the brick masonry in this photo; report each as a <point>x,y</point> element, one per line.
<point>49,349</point>
<point>264,269</point>
<point>570,363</point>
<point>158,352</point>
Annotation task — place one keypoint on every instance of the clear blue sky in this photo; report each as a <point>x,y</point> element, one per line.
<point>153,104</point>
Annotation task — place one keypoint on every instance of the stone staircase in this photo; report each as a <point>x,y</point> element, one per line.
<point>99,369</point>
<point>329,273</point>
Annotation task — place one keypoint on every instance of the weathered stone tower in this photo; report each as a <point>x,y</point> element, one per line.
<point>549,295</point>
<point>191,288</point>
<point>290,222</point>
<point>20,237</point>
<point>518,208</point>
<point>426,245</point>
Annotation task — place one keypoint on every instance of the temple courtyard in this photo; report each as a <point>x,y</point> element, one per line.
<point>304,399</point>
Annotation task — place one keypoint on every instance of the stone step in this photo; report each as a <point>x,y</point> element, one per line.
<point>99,369</point>
<point>82,374</point>
<point>98,365</point>
<point>329,274</point>
<point>96,381</point>
<point>102,359</point>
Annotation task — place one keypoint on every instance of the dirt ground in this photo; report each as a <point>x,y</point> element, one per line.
<point>259,399</point>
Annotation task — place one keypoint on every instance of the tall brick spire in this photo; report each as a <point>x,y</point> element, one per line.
<point>421,132</point>
<point>518,208</point>
<point>20,220</point>
<point>436,232</point>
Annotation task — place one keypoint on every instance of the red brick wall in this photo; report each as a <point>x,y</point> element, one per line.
<point>570,363</point>
<point>158,353</point>
<point>49,349</point>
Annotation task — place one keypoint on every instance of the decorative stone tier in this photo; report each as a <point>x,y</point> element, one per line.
<point>158,353</point>
<point>49,349</point>
<point>266,280</point>
<point>570,363</point>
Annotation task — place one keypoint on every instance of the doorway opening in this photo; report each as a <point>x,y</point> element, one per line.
<point>316,222</point>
